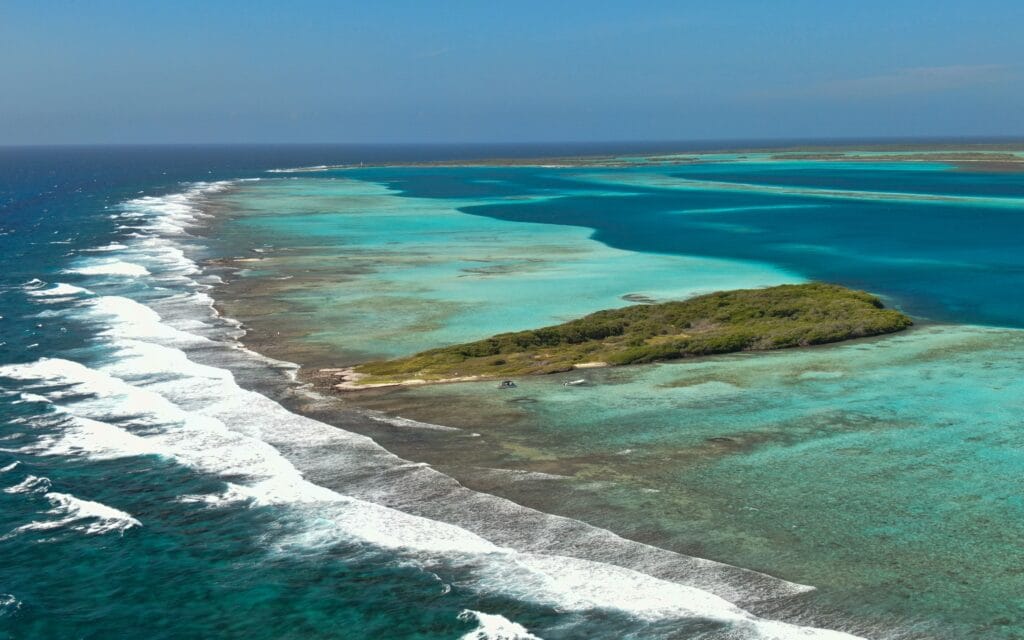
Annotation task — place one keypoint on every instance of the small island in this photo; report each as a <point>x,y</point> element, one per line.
<point>725,322</point>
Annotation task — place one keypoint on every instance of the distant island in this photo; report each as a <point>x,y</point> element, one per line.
<point>984,157</point>
<point>725,322</point>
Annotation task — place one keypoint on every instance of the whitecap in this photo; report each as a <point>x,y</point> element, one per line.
<point>110,268</point>
<point>104,519</point>
<point>113,246</point>
<point>31,397</point>
<point>31,484</point>
<point>96,440</point>
<point>8,604</point>
<point>86,516</point>
<point>59,289</point>
<point>234,494</point>
<point>492,626</point>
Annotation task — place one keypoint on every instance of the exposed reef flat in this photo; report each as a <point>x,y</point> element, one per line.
<point>725,322</point>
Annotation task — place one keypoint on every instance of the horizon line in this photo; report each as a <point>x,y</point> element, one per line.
<point>770,141</point>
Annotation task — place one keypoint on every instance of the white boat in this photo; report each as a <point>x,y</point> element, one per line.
<point>573,383</point>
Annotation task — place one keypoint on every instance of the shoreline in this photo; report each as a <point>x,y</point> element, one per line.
<point>327,378</point>
<point>349,378</point>
<point>727,321</point>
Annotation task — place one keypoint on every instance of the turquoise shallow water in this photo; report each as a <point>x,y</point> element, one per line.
<point>885,473</point>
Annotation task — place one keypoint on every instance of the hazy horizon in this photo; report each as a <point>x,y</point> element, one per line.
<point>695,145</point>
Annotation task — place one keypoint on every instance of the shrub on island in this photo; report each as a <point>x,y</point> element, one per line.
<point>725,322</point>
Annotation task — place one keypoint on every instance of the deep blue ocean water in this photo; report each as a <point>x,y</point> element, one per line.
<point>149,479</point>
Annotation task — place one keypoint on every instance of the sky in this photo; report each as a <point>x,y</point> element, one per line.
<point>398,71</point>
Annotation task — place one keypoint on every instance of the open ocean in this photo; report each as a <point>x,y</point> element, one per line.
<point>158,474</point>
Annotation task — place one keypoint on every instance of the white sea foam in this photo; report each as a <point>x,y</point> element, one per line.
<point>232,495</point>
<point>113,246</point>
<point>10,467</point>
<point>125,318</point>
<point>110,268</point>
<point>172,214</point>
<point>85,515</point>
<point>59,289</point>
<point>31,484</point>
<point>491,626</point>
<point>571,584</point>
<point>8,604</point>
<point>31,397</point>
<point>97,440</point>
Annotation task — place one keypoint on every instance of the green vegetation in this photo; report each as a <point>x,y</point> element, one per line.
<point>724,322</point>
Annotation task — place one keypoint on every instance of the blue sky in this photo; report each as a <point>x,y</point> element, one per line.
<point>473,70</point>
